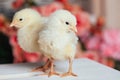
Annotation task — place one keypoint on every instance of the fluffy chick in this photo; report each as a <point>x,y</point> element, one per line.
<point>29,23</point>
<point>58,40</point>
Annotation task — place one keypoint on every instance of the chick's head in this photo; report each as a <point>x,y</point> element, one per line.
<point>25,17</point>
<point>66,19</point>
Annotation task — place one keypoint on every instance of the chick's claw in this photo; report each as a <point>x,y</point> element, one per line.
<point>68,74</point>
<point>43,68</point>
<point>53,73</point>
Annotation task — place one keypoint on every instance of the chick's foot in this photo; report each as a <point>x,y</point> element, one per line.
<point>53,73</point>
<point>68,74</point>
<point>43,68</point>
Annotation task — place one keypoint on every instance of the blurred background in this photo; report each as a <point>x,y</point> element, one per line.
<point>97,23</point>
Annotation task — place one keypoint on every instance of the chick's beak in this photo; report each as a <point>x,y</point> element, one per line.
<point>13,26</point>
<point>73,28</point>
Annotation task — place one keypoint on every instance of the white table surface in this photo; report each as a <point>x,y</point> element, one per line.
<point>85,69</point>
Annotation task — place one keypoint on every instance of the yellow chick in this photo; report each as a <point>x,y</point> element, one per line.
<point>57,39</point>
<point>29,23</point>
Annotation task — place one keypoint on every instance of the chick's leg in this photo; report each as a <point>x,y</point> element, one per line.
<point>44,67</point>
<point>52,71</point>
<point>69,73</point>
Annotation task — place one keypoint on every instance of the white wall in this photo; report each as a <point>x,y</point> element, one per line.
<point>110,9</point>
<point>112,13</point>
<point>96,7</point>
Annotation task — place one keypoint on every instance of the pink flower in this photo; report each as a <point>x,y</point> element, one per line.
<point>18,54</point>
<point>111,43</point>
<point>62,1</point>
<point>91,55</point>
<point>18,4</point>
<point>13,40</point>
<point>2,20</point>
<point>17,51</point>
<point>31,57</point>
<point>83,22</point>
<point>111,36</point>
<point>46,10</point>
<point>93,43</point>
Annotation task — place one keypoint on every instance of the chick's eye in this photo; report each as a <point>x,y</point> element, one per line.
<point>67,23</point>
<point>20,19</point>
